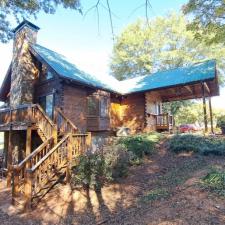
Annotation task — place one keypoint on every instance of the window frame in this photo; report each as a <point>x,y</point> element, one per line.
<point>99,99</point>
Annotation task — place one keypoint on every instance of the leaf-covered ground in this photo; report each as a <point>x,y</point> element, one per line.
<point>165,189</point>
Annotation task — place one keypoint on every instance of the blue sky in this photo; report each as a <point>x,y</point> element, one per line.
<point>78,38</point>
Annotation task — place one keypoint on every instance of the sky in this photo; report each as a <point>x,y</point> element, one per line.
<point>79,39</point>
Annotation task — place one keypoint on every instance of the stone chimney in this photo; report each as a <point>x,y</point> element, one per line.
<point>23,67</point>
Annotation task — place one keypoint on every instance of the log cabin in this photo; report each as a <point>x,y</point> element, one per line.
<point>53,111</point>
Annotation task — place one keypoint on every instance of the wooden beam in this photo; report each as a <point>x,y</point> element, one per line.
<point>211,116</point>
<point>207,87</point>
<point>188,88</point>
<point>204,108</point>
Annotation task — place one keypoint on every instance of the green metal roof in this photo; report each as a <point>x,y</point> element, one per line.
<point>184,75</point>
<point>179,76</point>
<point>68,70</point>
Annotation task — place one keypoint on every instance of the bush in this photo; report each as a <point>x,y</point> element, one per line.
<point>221,123</point>
<point>118,159</point>
<point>141,144</point>
<point>197,143</point>
<point>215,181</point>
<point>91,171</point>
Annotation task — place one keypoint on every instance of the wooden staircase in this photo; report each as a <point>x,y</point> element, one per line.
<point>34,177</point>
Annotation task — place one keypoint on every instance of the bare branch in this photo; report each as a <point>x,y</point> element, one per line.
<point>135,10</point>
<point>92,7</point>
<point>147,6</point>
<point>110,17</point>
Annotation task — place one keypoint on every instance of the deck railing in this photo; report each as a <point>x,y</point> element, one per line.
<point>33,114</point>
<point>19,171</point>
<point>64,124</point>
<point>40,176</point>
<point>164,121</point>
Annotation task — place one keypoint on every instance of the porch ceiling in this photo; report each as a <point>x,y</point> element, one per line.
<point>189,91</point>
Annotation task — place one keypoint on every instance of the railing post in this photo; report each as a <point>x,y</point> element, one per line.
<point>69,157</point>
<point>88,141</point>
<point>55,115</point>
<point>28,188</point>
<point>55,135</point>
<point>15,183</point>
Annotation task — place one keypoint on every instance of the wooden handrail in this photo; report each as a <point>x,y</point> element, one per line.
<point>44,114</point>
<point>34,153</point>
<point>49,153</point>
<point>58,112</point>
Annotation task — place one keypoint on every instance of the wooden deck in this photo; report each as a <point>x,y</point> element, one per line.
<point>164,122</point>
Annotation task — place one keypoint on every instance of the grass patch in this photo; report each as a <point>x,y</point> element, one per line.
<point>214,182</point>
<point>157,194</point>
<point>198,144</point>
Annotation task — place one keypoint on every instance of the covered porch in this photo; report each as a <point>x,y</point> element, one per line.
<point>187,84</point>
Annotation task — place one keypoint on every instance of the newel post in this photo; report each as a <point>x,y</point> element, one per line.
<point>28,188</point>
<point>69,157</point>
<point>15,182</point>
<point>88,141</point>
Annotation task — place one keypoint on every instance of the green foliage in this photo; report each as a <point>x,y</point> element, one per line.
<point>221,121</point>
<point>193,113</point>
<point>208,20</point>
<point>156,194</point>
<point>215,181</point>
<point>197,143</point>
<point>140,145</point>
<point>174,107</point>
<point>91,171</point>
<point>118,159</point>
<point>164,44</point>
<point>24,9</point>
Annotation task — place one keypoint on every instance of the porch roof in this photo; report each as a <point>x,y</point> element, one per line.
<point>199,72</point>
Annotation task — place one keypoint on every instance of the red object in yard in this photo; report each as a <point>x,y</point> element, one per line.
<point>188,128</point>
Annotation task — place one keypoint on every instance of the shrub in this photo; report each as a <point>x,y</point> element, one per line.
<point>91,171</point>
<point>141,144</point>
<point>215,181</point>
<point>197,143</point>
<point>221,123</point>
<point>118,159</point>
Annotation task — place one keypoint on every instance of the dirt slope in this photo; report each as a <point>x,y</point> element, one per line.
<point>164,190</point>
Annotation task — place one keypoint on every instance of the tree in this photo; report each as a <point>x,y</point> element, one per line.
<point>208,23</point>
<point>25,9</point>
<point>192,114</point>
<point>164,44</point>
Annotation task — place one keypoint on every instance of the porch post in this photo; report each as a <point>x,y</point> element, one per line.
<point>28,141</point>
<point>211,116</point>
<point>204,108</point>
<point>9,159</point>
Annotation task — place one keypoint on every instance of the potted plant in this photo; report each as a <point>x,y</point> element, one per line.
<point>221,123</point>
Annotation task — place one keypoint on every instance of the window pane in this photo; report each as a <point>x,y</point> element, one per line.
<point>46,102</point>
<point>92,106</point>
<point>45,73</point>
<point>49,75</point>
<point>104,107</point>
<point>42,102</point>
<point>49,105</point>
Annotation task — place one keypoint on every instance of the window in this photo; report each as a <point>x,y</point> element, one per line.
<point>92,106</point>
<point>98,106</point>
<point>104,106</point>
<point>45,74</point>
<point>156,108</point>
<point>47,103</point>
